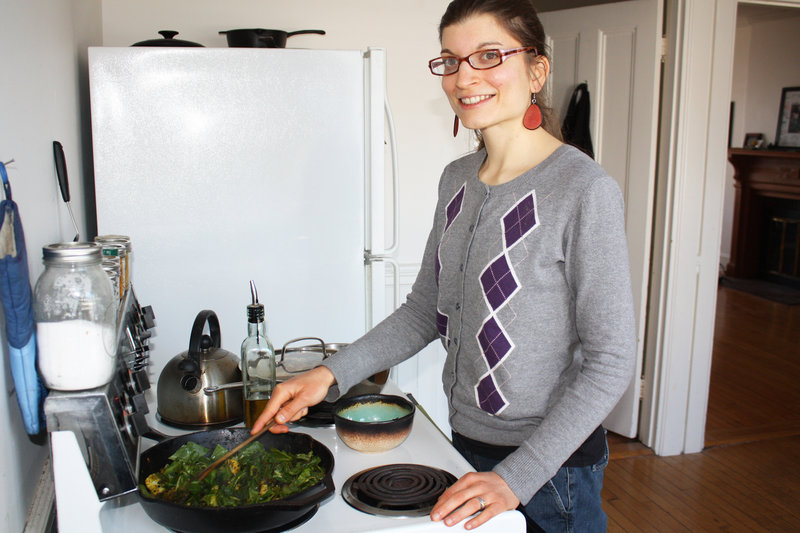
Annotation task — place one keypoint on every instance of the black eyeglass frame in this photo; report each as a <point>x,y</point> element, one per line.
<point>504,54</point>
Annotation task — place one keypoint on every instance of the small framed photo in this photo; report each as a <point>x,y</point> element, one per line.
<point>753,140</point>
<point>788,134</point>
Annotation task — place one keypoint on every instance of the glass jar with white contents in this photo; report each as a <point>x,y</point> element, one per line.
<point>75,308</point>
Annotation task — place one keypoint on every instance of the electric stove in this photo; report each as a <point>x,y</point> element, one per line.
<point>96,437</point>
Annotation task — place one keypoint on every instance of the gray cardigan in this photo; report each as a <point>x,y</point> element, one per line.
<point>527,286</point>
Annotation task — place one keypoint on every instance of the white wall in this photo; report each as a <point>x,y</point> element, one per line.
<point>40,42</point>
<point>764,63</point>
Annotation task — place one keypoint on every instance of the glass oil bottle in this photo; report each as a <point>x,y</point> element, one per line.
<point>258,361</point>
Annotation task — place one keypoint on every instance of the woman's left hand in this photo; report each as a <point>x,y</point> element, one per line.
<point>485,493</point>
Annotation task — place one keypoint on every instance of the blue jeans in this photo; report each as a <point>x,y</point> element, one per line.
<point>568,503</point>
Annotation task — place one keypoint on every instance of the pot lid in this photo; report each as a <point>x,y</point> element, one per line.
<point>168,40</point>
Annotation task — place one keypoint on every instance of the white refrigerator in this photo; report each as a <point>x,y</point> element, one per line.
<point>230,165</point>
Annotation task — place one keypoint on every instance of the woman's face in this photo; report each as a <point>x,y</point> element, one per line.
<point>496,97</point>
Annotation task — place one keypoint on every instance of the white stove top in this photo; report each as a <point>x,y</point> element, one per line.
<point>80,511</point>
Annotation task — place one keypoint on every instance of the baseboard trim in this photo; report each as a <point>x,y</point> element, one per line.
<point>42,513</point>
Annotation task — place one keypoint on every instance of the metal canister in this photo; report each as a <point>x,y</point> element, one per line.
<point>117,258</point>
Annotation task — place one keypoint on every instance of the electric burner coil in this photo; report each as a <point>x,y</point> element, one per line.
<point>397,490</point>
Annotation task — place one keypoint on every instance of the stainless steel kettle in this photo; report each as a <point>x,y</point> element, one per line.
<point>182,401</point>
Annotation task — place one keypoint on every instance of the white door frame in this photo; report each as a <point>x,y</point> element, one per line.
<point>692,166</point>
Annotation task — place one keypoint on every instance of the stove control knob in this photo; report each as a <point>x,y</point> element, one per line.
<point>140,404</point>
<point>138,423</point>
<point>141,380</point>
<point>148,317</point>
<point>128,428</point>
<point>144,335</point>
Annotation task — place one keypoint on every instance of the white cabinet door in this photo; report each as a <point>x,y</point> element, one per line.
<point>615,49</point>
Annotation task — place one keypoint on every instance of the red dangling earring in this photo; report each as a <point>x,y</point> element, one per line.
<point>533,116</point>
<point>455,126</point>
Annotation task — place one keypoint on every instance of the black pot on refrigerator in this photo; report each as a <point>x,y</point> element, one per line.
<point>261,38</point>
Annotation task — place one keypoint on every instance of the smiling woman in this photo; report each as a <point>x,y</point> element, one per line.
<point>524,281</point>
<point>527,30</point>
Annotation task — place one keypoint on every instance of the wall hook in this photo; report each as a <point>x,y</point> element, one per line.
<point>4,178</point>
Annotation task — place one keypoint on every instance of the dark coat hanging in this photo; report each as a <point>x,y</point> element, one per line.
<point>575,128</point>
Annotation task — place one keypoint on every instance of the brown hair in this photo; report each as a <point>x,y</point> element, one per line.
<point>519,18</point>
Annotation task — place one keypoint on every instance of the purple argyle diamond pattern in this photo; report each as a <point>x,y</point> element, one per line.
<point>490,398</point>
<point>454,207</point>
<point>493,342</point>
<point>451,212</point>
<point>498,282</point>
<point>519,220</point>
<point>442,322</point>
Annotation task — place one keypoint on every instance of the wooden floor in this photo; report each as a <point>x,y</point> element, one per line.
<point>755,370</point>
<point>748,477</point>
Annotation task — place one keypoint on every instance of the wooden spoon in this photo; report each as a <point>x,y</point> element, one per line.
<point>228,455</point>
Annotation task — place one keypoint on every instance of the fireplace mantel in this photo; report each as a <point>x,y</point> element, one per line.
<point>759,175</point>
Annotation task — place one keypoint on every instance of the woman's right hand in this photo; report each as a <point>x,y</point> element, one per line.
<point>291,399</point>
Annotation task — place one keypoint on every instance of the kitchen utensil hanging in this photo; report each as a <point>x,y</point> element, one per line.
<point>261,38</point>
<point>63,183</point>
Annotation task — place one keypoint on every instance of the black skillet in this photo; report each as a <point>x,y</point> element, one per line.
<point>245,518</point>
<point>261,38</point>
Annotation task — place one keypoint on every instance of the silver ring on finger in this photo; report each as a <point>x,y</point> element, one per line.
<point>482,502</point>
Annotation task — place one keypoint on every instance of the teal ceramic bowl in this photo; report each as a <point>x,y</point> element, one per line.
<point>373,422</point>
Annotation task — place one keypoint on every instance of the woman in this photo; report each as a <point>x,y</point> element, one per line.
<point>525,281</point>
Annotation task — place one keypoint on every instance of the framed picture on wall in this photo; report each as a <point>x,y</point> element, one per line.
<point>788,134</point>
<point>753,140</point>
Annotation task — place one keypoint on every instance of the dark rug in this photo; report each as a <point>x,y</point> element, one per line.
<point>764,289</point>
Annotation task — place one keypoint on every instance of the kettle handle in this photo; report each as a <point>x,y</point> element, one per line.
<point>195,341</point>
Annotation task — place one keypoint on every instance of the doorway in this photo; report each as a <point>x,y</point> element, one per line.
<point>687,222</point>
<point>755,365</point>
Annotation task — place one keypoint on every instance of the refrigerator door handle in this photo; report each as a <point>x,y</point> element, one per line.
<point>395,180</point>
<point>370,258</point>
<point>387,254</point>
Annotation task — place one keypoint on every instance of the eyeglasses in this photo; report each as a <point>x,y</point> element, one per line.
<point>480,60</point>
